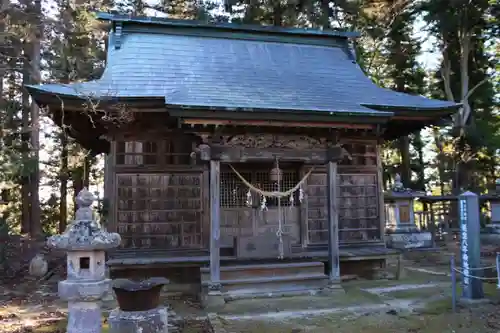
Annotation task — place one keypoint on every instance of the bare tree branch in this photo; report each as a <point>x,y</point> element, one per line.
<point>467,112</point>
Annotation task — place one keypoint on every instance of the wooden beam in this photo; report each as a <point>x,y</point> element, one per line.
<point>333,225</point>
<point>215,225</point>
<point>272,123</point>
<point>412,118</point>
<point>243,154</point>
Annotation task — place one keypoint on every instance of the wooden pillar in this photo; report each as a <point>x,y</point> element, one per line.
<point>380,183</point>
<point>303,208</point>
<point>333,224</point>
<point>432,225</point>
<point>214,225</point>
<point>109,189</point>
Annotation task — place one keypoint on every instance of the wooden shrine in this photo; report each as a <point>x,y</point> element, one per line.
<point>240,160</point>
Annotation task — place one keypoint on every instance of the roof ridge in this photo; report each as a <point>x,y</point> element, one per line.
<point>161,21</point>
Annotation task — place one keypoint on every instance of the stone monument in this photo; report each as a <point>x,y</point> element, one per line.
<point>85,243</point>
<point>401,231</point>
<point>470,246</point>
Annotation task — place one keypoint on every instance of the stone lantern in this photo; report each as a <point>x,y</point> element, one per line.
<point>494,199</point>
<point>85,243</point>
<point>401,231</point>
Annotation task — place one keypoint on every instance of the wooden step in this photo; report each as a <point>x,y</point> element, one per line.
<point>236,272</point>
<point>269,280</point>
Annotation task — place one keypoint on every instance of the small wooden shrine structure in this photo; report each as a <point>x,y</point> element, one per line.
<point>247,154</point>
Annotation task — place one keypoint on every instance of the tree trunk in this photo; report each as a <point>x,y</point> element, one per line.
<point>77,181</point>
<point>325,14</point>
<point>440,165</point>
<point>63,189</point>
<point>25,146</point>
<point>405,170</point>
<point>36,227</point>
<point>277,15</point>
<point>420,156</point>
<point>404,145</point>
<point>80,177</point>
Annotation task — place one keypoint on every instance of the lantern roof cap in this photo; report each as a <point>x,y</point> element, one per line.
<point>84,233</point>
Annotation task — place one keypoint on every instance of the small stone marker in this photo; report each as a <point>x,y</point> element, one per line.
<point>85,242</point>
<point>470,246</point>
<point>38,266</point>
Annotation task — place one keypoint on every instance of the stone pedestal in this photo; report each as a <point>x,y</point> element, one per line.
<point>150,321</point>
<point>139,307</point>
<point>84,317</point>
<point>85,243</point>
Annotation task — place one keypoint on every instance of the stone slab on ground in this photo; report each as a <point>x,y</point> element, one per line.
<point>479,320</point>
<point>404,287</point>
<point>296,303</point>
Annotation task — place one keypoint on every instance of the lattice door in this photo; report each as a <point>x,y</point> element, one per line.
<point>239,220</point>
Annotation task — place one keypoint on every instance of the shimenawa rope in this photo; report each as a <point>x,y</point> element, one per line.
<point>274,194</point>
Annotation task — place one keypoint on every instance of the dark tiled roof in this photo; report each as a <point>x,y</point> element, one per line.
<point>229,73</point>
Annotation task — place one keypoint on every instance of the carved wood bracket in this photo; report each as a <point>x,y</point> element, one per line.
<point>246,148</point>
<point>274,141</point>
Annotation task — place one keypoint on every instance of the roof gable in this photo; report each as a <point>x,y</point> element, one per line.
<point>146,22</point>
<point>285,70</point>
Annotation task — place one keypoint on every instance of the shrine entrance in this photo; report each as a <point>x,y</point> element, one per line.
<point>261,208</point>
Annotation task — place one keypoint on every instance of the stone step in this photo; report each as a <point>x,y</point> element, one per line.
<point>279,287</point>
<point>269,280</point>
<point>236,272</point>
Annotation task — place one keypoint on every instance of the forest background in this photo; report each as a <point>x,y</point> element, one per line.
<point>446,49</point>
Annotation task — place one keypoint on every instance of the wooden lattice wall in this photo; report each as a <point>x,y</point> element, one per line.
<point>162,199</point>
<point>159,195</point>
<point>358,198</point>
<point>160,210</point>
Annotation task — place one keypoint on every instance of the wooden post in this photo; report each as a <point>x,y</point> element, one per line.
<point>110,188</point>
<point>303,216</point>
<point>215,225</point>
<point>380,183</point>
<point>432,226</point>
<point>333,225</point>
<point>400,269</point>
<point>108,179</point>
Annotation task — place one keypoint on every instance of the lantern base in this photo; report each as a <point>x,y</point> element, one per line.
<point>493,228</point>
<point>490,235</point>
<point>409,240</point>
